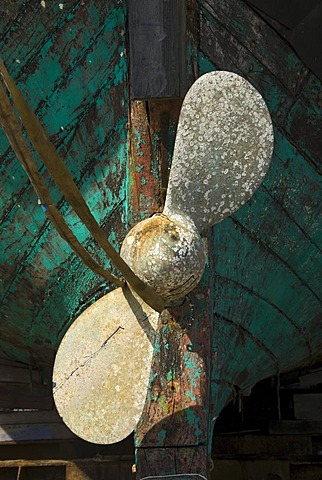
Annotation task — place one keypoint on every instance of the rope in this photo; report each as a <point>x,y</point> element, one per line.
<point>12,129</point>
<point>69,189</point>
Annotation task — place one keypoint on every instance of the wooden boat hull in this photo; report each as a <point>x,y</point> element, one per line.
<point>259,301</point>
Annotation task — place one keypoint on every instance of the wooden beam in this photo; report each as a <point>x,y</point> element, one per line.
<point>153,127</point>
<point>23,387</point>
<point>34,432</point>
<point>29,417</point>
<point>157,48</point>
<point>172,436</point>
<point>17,374</point>
<point>32,426</point>
<point>117,467</point>
<point>295,427</point>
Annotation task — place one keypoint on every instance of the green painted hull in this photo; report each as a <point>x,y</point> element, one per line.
<point>71,67</point>
<point>265,261</point>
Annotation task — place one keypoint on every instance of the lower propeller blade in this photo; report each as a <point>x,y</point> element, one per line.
<point>222,151</point>
<point>102,367</point>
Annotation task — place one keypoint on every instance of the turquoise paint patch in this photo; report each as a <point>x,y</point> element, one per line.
<point>204,64</point>
<point>191,362</point>
<point>169,376</point>
<point>161,437</point>
<point>194,421</point>
<point>120,70</point>
<point>190,394</point>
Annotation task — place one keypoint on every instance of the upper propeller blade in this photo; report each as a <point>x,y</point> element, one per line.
<point>102,367</point>
<point>222,151</point>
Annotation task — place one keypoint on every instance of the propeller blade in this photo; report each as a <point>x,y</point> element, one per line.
<point>102,367</point>
<point>222,151</point>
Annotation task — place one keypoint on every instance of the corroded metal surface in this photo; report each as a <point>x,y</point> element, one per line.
<point>153,129</point>
<point>167,254</point>
<point>102,367</point>
<point>223,148</point>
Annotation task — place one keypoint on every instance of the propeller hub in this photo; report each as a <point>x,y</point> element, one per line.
<point>167,254</point>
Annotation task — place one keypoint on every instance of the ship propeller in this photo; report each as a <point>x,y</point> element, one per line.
<point>222,151</point>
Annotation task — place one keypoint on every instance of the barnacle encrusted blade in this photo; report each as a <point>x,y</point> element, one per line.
<point>102,367</point>
<point>222,151</point>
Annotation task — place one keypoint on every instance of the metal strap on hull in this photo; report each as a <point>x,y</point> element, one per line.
<point>13,131</point>
<point>51,159</point>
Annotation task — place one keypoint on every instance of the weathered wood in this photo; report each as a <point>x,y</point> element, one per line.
<point>23,387</point>
<point>89,471</point>
<point>19,395</point>
<point>34,432</point>
<point>172,461</point>
<point>153,127</point>
<point>307,127</point>
<point>252,469</point>
<point>32,426</point>
<point>64,67</point>
<point>56,462</point>
<point>306,39</point>
<point>238,49</point>
<point>177,407</point>
<point>288,12</point>
<point>73,67</point>
<point>253,34</point>
<point>283,446</point>
<point>286,239</point>
<point>307,225</point>
<point>302,21</point>
<point>157,48</point>
<point>22,417</point>
<point>179,393</point>
<point>19,375</point>
<point>308,406</point>
<point>291,180</point>
<point>35,473</point>
<point>244,46</point>
<point>144,185</point>
<point>295,427</point>
<point>32,463</point>
<point>223,51</point>
<point>163,120</point>
<point>235,42</point>
<point>116,468</point>
<point>305,471</point>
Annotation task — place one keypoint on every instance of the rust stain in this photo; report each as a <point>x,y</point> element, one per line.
<point>152,131</point>
<point>145,190</point>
